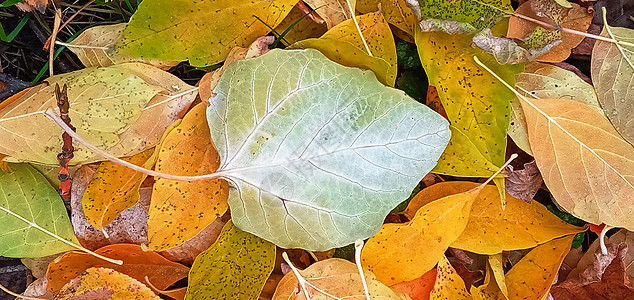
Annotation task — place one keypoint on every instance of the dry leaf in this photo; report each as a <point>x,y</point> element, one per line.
<point>337,277</point>
<point>395,12</point>
<point>523,184</point>
<point>136,263</point>
<point>332,11</point>
<point>187,252</point>
<point>104,284</point>
<point>304,29</point>
<point>122,109</point>
<point>89,48</point>
<point>181,209</point>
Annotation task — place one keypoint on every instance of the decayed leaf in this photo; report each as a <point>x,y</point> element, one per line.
<point>395,12</point>
<point>508,51</point>
<point>181,209</point>
<point>33,218</point>
<point>586,165</point>
<point>612,71</point>
<point>304,29</point>
<point>182,30</point>
<point>129,227</point>
<point>546,81</point>
<point>394,253</point>
<point>136,263</point>
<point>337,277</point>
<point>122,109</point>
<point>576,18</point>
<point>533,275</point>
<point>114,189</point>
<point>332,11</point>
<point>604,278</point>
<point>292,142</point>
<point>104,283</point>
<point>523,184</point>
<point>491,230</point>
<point>187,252</point>
<point>448,285</point>
<point>477,105</point>
<point>419,288</point>
<point>465,16</point>
<point>95,47</point>
<point>234,267</point>
<point>377,33</point>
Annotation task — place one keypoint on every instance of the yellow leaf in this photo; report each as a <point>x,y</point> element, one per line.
<point>181,209</point>
<point>395,12</point>
<point>533,275</point>
<point>95,47</point>
<point>337,277</point>
<point>496,265</point>
<point>394,253</point>
<point>122,109</point>
<point>104,283</point>
<point>449,285</point>
<point>585,163</point>
<point>304,29</point>
<point>114,189</point>
<point>491,230</point>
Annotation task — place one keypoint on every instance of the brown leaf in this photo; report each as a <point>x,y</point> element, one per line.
<point>524,184</point>
<point>104,284</point>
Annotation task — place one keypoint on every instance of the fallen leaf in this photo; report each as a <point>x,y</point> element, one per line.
<point>136,263</point>
<point>304,29</point>
<point>393,254</point>
<point>332,11</point>
<point>337,277</point>
<point>33,217</point>
<point>129,227</point>
<point>596,179</point>
<point>533,275</point>
<point>95,47</point>
<point>491,230</point>
<point>465,16</point>
<point>114,189</point>
<point>31,5</point>
<point>289,140</point>
<point>244,259</point>
<point>182,30</point>
<point>448,283</point>
<point>103,284</point>
<point>541,80</point>
<point>575,18</point>
<point>181,209</point>
<point>523,184</point>
<point>476,103</point>
<point>496,264</point>
<point>509,51</point>
<point>122,109</point>
<point>37,289</point>
<point>419,288</point>
<point>605,278</point>
<point>39,265</point>
<point>395,12</point>
<point>187,252</point>
<point>612,69</point>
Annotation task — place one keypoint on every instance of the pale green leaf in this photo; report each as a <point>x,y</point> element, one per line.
<point>33,219</point>
<point>317,153</point>
<point>236,266</point>
<point>612,73</point>
<point>202,32</point>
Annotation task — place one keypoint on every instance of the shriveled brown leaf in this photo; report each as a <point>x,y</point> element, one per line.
<point>523,184</point>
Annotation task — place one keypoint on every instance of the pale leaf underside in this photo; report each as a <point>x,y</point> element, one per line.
<point>317,153</point>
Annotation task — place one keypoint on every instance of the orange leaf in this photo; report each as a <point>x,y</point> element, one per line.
<point>181,209</point>
<point>104,283</point>
<point>136,263</point>
<point>419,288</point>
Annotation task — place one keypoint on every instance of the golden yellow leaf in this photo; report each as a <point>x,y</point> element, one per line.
<point>491,230</point>
<point>585,163</point>
<point>337,277</point>
<point>181,209</point>
<point>104,283</point>
<point>533,275</point>
<point>449,285</point>
<point>395,12</point>
<point>114,189</point>
<point>122,109</point>
<point>95,47</point>
<point>395,254</point>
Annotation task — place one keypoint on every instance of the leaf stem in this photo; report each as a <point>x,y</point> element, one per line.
<point>358,246</point>
<point>34,225</point>
<point>300,279</point>
<point>604,249</point>
<point>513,156</point>
<point>354,19</point>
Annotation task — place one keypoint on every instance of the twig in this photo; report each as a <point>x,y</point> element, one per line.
<point>51,38</point>
<point>67,148</point>
<point>51,50</point>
